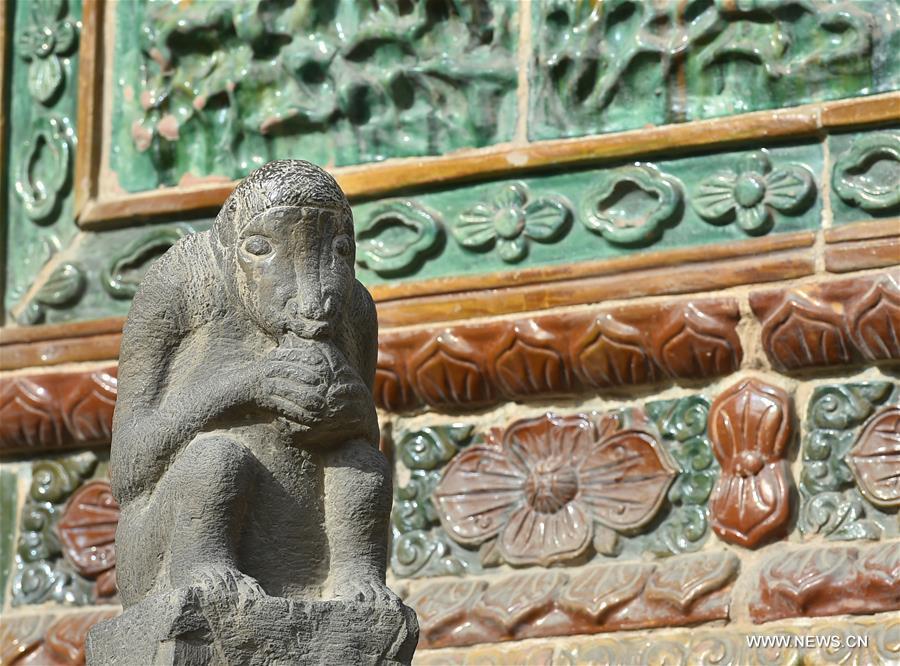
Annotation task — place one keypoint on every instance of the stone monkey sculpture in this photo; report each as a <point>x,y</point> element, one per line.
<point>244,452</point>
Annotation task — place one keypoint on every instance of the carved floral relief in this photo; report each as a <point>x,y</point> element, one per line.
<point>338,83</point>
<point>754,193</point>
<point>539,487</point>
<point>875,458</point>
<point>750,427</point>
<point>50,35</point>
<point>44,570</point>
<point>845,465</point>
<point>510,221</point>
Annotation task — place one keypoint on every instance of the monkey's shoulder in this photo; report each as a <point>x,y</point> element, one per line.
<point>182,284</point>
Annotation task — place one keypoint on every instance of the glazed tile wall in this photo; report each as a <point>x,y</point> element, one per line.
<point>574,478</point>
<point>752,500</point>
<point>541,222</point>
<point>43,71</point>
<point>217,89</point>
<point>624,64</point>
<point>201,95</point>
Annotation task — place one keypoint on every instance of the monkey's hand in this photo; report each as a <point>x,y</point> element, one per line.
<point>293,383</point>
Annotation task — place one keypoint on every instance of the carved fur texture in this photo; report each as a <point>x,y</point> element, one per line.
<point>244,450</point>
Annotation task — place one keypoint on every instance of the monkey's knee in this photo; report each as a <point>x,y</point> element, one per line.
<point>210,478</point>
<point>362,474</point>
<point>213,460</point>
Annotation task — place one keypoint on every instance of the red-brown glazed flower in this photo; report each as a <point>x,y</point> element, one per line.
<point>750,427</point>
<point>540,486</point>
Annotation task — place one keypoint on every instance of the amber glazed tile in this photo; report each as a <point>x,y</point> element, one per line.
<point>541,603</point>
<point>750,426</point>
<point>831,323</point>
<point>816,581</point>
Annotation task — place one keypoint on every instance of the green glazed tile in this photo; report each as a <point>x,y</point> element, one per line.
<point>865,175</point>
<point>624,64</point>
<point>222,87</point>
<point>43,72</point>
<point>8,508</point>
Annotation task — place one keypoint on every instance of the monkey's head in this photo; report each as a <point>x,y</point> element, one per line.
<point>285,240</point>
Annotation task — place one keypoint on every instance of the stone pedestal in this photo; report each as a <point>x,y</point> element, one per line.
<point>180,628</point>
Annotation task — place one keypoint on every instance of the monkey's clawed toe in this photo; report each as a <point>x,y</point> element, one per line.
<point>367,591</point>
<point>218,580</point>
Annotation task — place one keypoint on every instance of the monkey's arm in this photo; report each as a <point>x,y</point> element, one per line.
<point>163,401</point>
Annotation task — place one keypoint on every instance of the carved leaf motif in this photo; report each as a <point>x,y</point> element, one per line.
<point>396,237</point>
<point>612,353</point>
<point>28,414</point>
<point>693,344</point>
<point>63,286</point>
<point>599,590</point>
<point>87,529</point>
<point>682,583</point>
<point>447,374</point>
<point>866,174</point>
<point>391,391</point>
<point>612,209</point>
<point>513,599</point>
<point>750,427</point>
<point>750,416</point>
<point>875,458</point>
<point>65,639</point>
<point>875,321</point>
<point>524,370</point>
<point>802,333</point>
<point>624,479</point>
<point>804,575</point>
<point>21,637</point>
<point>88,407</point>
<point>480,489</point>
<point>45,76</point>
<point>443,604</point>
<point>529,364</point>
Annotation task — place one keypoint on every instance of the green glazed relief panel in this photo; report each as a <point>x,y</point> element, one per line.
<point>865,175</point>
<point>219,88</point>
<point>543,220</point>
<point>421,546</point>
<point>43,72</point>
<point>587,215</point>
<point>850,482</point>
<point>623,64</point>
<point>98,276</point>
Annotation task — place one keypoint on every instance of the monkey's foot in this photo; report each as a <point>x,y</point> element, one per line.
<point>220,581</point>
<point>362,589</point>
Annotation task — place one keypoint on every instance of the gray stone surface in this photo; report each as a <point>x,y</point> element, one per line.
<point>245,454</point>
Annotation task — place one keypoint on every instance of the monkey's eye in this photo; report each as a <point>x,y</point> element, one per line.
<point>342,246</point>
<point>257,246</point>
